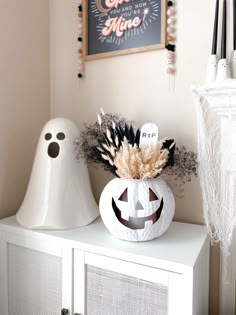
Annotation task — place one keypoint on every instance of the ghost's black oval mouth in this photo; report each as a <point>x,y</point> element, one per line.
<point>136,223</point>
<point>53,149</point>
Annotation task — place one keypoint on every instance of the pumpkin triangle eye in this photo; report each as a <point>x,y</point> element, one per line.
<point>152,195</point>
<point>124,196</point>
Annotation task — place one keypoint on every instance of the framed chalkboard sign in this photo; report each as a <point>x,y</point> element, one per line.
<point>118,27</point>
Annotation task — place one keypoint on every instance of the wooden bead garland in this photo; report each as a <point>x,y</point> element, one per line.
<point>170,38</point>
<point>80,40</point>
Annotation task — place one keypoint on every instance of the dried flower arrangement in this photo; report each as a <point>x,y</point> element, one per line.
<point>113,143</point>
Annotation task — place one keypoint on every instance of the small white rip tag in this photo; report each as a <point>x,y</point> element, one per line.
<point>148,135</point>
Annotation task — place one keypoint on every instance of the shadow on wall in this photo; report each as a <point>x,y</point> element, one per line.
<point>98,178</point>
<point>15,167</point>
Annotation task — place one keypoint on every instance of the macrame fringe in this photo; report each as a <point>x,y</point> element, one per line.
<point>219,211</point>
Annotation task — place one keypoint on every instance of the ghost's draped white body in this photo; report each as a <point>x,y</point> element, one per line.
<point>59,195</point>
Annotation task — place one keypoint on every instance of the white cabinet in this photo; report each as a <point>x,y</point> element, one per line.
<point>33,274</point>
<point>87,271</point>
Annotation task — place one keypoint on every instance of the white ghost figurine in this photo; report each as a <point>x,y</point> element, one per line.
<point>223,70</point>
<point>59,195</point>
<point>212,69</point>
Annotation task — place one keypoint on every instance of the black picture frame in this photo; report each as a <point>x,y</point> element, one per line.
<point>119,27</point>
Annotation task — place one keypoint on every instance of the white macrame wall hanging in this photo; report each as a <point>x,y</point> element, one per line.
<point>216,117</point>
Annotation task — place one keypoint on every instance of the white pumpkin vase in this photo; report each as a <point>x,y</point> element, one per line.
<point>136,209</point>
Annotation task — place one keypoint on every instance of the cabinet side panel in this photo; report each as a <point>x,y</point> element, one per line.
<point>180,293</point>
<point>201,281</point>
<point>3,274</point>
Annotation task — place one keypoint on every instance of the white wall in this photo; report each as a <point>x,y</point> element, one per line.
<point>24,93</point>
<point>137,87</point>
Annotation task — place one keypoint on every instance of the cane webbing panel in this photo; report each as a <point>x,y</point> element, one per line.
<point>34,282</point>
<point>112,293</point>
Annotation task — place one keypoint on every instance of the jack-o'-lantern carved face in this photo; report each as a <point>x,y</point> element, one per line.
<point>137,210</point>
<point>138,222</point>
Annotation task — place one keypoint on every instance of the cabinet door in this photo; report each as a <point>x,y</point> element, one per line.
<point>35,275</point>
<point>108,286</point>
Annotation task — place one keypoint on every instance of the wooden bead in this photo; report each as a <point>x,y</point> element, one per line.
<point>170,61</point>
<point>170,21</point>
<point>170,70</point>
<point>81,68</point>
<point>170,29</point>
<point>170,55</point>
<point>170,38</point>
<point>170,11</point>
<point>170,47</point>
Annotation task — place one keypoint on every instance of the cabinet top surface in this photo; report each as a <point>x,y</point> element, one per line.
<point>181,244</point>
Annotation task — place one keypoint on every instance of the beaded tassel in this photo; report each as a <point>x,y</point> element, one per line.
<point>170,38</point>
<point>80,39</point>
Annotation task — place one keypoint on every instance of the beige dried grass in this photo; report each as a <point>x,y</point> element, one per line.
<point>133,162</point>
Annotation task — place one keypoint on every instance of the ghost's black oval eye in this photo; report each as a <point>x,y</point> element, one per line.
<point>152,195</point>
<point>124,195</point>
<point>48,136</point>
<point>61,136</point>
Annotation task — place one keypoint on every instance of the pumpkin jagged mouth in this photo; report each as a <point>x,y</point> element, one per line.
<point>136,223</point>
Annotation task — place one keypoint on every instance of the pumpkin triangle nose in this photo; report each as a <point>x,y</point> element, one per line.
<point>138,206</point>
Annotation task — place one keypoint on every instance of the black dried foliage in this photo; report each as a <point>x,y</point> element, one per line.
<point>168,144</point>
<point>97,139</point>
<point>94,135</point>
<point>185,165</point>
